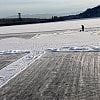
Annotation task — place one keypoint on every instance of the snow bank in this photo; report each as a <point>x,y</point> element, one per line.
<point>75,49</point>
<point>14,52</point>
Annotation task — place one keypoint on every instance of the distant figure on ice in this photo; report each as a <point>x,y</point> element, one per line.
<point>82,27</point>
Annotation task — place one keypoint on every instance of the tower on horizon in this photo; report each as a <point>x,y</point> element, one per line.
<point>19,15</point>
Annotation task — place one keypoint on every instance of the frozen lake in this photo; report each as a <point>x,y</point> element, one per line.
<point>38,38</point>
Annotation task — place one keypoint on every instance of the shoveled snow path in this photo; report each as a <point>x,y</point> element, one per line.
<point>16,67</point>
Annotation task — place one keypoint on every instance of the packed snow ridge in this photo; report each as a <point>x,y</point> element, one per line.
<point>75,49</point>
<point>14,52</point>
<point>67,48</point>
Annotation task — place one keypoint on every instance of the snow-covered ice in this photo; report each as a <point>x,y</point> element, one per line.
<point>45,41</point>
<point>67,39</point>
<point>74,24</point>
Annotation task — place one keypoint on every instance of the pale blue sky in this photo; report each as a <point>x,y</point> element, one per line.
<point>12,7</point>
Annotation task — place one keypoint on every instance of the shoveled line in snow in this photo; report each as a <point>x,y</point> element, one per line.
<point>12,70</point>
<point>14,52</point>
<point>75,49</point>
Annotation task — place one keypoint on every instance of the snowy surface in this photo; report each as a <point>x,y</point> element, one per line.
<point>52,40</point>
<point>68,39</point>
<point>74,24</point>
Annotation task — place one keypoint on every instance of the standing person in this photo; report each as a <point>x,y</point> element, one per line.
<point>82,27</point>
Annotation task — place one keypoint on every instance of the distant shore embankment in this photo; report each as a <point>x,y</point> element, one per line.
<point>89,13</point>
